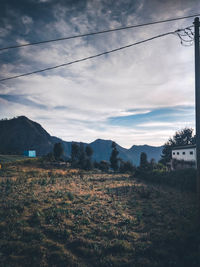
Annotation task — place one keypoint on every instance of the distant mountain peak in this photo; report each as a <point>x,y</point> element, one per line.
<point>21,118</point>
<point>21,133</point>
<point>102,140</point>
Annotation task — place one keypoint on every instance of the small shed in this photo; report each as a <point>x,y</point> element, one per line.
<point>30,153</point>
<point>186,153</point>
<point>183,157</point>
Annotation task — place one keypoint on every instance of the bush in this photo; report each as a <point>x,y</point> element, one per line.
<point>126,166</point>
<point>103,166</point>
<point>181,179</point>
<point>181,164</point>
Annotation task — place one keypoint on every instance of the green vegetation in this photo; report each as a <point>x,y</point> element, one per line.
<point>113,158</point>
<point>81,157</point>
<point>10,158</point>
<point>180,138</point>
<point>58,151</point>
<point>67,217</point>
<point>157,173</point>
<point>143,161</point>
<point>184,180</point>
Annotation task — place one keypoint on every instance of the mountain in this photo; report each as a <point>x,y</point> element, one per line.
<point>102,150</point>
<point>19,134</point>
<point>151,151</point>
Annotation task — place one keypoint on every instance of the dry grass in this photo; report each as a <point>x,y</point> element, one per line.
<point>70,218</point>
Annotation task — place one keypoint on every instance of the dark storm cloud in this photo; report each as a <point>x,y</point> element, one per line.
<point>29,19</point>
<point>43,12</point>
<point>34,20</point>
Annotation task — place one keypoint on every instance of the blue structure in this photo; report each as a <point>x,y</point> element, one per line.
<point>30,153</point>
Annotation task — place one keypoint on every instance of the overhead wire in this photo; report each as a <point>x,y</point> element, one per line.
<point>98,32</point>
<point>89,57</point>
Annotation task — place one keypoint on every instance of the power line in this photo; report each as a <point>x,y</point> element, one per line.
<point>99,32</point>
<point>87,58</point>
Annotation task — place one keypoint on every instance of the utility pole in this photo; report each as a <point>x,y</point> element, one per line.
<point>197,105</point>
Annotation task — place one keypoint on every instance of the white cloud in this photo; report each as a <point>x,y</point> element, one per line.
<point>156,74</point>
<point>44,1</point>
<point>155,124</point>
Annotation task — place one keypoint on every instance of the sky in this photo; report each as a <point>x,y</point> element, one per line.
<point>140,95</point>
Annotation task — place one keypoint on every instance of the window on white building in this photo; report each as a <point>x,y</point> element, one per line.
<point>177,153</point>
<point>183,153</point>
<point>191,152</point>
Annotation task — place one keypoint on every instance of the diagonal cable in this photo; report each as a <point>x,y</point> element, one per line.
<point>87,58</point>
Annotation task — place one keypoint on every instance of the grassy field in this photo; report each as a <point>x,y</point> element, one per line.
<point>71,218</point>
<point>10,158</point>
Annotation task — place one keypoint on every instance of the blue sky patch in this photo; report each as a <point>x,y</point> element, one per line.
<point>168,114</point>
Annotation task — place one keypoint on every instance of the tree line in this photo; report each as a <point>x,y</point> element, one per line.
<point>81,155</point>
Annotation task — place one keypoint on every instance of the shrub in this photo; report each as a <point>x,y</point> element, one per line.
<point>103,166</point>
<point>182,179</point>
<point>126,166</point>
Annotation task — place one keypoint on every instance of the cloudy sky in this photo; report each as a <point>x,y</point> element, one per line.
<point>140,95</point>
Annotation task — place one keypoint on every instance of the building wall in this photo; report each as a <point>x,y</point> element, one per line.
<point>187,154</point>
<point>30,153</point>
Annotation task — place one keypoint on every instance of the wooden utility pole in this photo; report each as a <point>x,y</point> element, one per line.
<point>197,105</point>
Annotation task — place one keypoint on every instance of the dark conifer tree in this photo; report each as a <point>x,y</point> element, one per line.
<point>58,151</point>
<point>143,160</point>
<point>82,156</point>
<point>113,158</point>
<point>75,155</point>
<point>89,152</point>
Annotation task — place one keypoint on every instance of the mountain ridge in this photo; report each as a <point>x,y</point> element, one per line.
<point>21,133</point>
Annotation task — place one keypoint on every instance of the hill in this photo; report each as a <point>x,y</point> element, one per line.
<point>21,133</point>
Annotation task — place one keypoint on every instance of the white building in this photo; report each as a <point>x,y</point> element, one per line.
<point>186,153</point>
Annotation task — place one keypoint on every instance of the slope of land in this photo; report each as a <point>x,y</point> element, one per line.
<point>55,217</point>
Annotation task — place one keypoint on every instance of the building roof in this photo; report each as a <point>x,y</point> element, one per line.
<point>183,147</point>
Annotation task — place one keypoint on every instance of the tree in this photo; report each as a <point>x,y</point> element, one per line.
<point>89,152</point>
<point>113,158</point>
<point>152,164</point>
<point>181,138</point>
<point>103,165</point>
<point>126,166</point>
<point>82,156</point>
<point>58,151</point>
<point>49,156</point>
<point>184,137</point>
<point>74,154</point>
<point>143,160</point>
